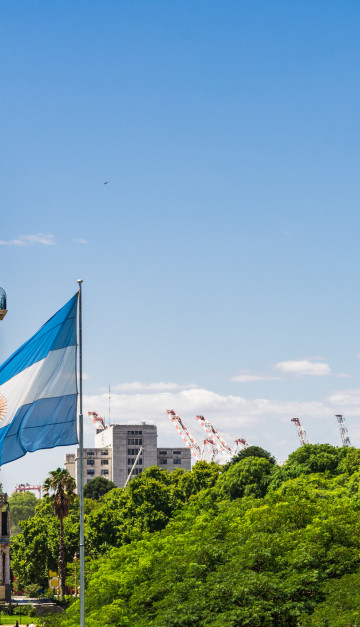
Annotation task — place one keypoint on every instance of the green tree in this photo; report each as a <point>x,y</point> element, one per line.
<point>341,606</point>
<point>62,486</point>
<point>97,487</point>
<point>252,451</point>
<point>250,476</point>
<point>22,507</point>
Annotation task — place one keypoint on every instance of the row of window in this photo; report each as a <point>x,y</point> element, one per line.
<point>134,441</point>
<point>166,452</point>
<point>174,461</point>
<point>91,462</point>
<point>137,471</point>
<point>92,453</point>
<point>91,473</point>
<point>131,461</point>
<point>134,432</point>
<point>133,451</point>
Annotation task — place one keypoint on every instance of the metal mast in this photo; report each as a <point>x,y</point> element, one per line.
<point>81,477</point>
<point>301,432</point>
<point>343,430</point>
<point>185,434</point>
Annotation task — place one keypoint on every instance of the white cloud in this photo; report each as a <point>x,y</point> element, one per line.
<point>80,240</point>
<point>258,420</point>
<point>137,386</point>
<point>303,367</point>
<point>27,240</point>
<point>247,377</point>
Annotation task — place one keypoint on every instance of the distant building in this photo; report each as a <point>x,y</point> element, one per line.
<point>115,452</point>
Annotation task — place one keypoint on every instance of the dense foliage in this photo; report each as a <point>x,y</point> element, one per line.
<point>252,544</point>
<point>97,487</point>
<point>22,507</point>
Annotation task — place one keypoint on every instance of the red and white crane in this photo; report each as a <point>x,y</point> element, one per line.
<point>185,434</point>
<point>240,444</point>
<point>97,420</point>
<point>210,429</point>
<point>225,449</point>
<point>301,431</point>
<point>211,451</point>
<point>214,447</point>
<point>26,487</point>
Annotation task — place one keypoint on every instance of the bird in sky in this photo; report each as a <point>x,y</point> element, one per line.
<point>106,182</point>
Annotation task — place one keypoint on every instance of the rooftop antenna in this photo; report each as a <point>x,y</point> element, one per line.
<point>109,403</point>
<point>343,430</point>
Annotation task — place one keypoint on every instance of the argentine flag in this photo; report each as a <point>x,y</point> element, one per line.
<point>38,390</point>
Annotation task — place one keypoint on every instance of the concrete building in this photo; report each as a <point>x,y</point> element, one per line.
<point>116,449</point>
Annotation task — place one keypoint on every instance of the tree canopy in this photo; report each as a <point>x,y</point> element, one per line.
<point>22,507</point>
<point>97,487</point>
<point>250,544</point>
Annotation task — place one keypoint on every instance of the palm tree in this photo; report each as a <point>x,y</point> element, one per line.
<point>62,486</point>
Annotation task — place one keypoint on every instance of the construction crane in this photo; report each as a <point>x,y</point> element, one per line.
<point>185,434</point>
<point>206,424</point>
<point>301,431</point>
<point>97,420</point>
<point>343,430</point>
<point>240,443</point>
<point>26,487</point>
<point>214,447</point>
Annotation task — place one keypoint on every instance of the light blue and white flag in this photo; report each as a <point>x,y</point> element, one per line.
<point>38,390</point>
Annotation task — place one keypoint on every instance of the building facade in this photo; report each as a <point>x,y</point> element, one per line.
<point>115,452</point>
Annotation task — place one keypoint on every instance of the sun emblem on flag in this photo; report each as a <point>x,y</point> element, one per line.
<point>3,406</point>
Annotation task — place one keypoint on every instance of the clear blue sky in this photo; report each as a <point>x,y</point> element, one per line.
<point>225,244</point>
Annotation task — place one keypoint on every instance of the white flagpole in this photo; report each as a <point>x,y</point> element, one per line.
<point>81,477</point>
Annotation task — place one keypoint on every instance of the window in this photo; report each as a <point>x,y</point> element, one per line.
<point>137,471</point>
<point>90,462</point>
<point>91,472</point>
<point>90,453</point>
<point>133,451</point>
<point>177,452</point>
<point>140,461</point>
<point>104,462</point>
<point>162,452</point>
<point>131,461</point>
<point>104,452</point>
<point>176,461</point>
<point>131,441</point>
<point>140,441</point>
<point>163,461</point>
<point>134,432</point>
<point>104,472</point>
